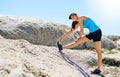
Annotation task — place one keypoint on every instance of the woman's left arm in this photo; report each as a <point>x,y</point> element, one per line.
<point>81,27</point>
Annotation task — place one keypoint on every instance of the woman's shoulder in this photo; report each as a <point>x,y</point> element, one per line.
<point>83,18</point>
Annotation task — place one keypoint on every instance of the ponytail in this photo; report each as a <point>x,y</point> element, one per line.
<point>74,23</point>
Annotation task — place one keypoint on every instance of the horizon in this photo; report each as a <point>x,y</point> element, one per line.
<point>105,13</point>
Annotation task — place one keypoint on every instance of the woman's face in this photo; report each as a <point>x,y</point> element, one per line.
<point>74,17</point>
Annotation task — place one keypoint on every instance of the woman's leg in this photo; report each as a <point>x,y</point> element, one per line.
<point>79,41</point>
<point>97,46</point>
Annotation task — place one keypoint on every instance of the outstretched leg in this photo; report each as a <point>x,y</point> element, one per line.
<point>79,41</point>
<point>97,46</point>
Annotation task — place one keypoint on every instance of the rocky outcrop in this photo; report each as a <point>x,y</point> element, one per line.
<point>107,43</point>
<point>19,58</point>
<point>118,42</point>
<point>41,32</point>
<point>114,38</point>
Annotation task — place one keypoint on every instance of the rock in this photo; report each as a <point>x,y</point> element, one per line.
<point>23,59</point>
<point>109,75</point>
<point>107,43</point>
<point>19,58</point>
<point>118,42</point>
<point>42,32</point>
<point>3,73</point>
<point>114,38</point>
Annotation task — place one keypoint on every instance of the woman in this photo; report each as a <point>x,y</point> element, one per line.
<point>95,34</point>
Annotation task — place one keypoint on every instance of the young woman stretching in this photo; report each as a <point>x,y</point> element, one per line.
<point>95,34</point>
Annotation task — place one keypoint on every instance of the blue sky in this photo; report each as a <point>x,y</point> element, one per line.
<point>106,13</point>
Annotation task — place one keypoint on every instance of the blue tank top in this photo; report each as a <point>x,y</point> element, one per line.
<point>89,23</point>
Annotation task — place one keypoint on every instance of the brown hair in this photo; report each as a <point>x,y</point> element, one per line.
<point>71,15</point>
<point>74,23</point>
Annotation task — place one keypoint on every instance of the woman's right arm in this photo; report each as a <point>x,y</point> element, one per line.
<point>65,35</point>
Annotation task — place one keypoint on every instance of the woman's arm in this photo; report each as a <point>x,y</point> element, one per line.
<point>65,35</point>
<point>81,27</point>
<point>81,30</point>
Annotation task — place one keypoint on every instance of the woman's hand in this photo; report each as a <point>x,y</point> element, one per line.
<point>79,38</point>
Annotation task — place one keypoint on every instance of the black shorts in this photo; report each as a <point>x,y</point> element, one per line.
<point>96,36</point>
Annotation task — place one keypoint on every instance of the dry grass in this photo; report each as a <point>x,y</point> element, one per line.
<point>111,62</point>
